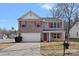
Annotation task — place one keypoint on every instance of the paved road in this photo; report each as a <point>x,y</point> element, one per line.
<point>22,49</point>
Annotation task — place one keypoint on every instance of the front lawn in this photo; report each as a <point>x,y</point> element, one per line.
<point>56,48</point>
<point>5,45</point>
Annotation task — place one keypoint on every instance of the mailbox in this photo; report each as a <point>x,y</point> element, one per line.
<point>66,45</point>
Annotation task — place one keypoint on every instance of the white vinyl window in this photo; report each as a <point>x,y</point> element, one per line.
<point>53,25</point>
<point>38,24</point>
<point>77,33</point>
<point>56,35</point>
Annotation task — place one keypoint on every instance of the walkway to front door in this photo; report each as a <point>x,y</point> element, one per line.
<point>22,49</point>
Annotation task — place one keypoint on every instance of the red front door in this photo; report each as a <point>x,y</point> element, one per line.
<point>45,37</point>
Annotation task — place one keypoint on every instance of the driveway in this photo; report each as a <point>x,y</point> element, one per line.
<point>22,49</point>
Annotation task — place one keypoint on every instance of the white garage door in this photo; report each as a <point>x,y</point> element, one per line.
<point>31,36</point>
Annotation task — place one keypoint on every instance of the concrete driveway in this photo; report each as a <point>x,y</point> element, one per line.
<point>22,49</point>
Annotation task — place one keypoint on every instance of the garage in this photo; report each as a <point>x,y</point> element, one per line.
<point>29,37</point>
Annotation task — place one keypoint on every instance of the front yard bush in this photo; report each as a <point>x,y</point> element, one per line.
<point>18,39</point>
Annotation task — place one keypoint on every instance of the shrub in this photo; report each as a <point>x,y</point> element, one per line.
<point>18,39</point>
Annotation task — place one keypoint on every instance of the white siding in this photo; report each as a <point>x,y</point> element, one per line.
<point>74,31</point>
<point>31,36</point>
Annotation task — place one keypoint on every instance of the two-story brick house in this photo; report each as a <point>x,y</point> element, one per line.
<point>35,28</point>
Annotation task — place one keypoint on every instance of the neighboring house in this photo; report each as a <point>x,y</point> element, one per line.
<point>36,28</point>
<point>74,31</point>
<point>1,35</point>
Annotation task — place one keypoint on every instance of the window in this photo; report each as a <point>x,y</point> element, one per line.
<point>54,24</point>
<point>45,25</point>
<point>51,25</point>
<point>77,33</point>
<point>23,25</point>
<point>56,35</point>
<point>38,25</point>
<point>53,35</point>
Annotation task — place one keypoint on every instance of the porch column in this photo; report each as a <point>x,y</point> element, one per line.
<point>63,35</point>
<point>49,37</point>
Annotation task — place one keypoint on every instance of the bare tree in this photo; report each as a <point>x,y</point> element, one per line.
<point>56,12</point>
<point>69,10</point>
<point>76,18</point>
<point>65,11</point>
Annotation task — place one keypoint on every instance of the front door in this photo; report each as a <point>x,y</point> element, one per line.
<point>45,37</point>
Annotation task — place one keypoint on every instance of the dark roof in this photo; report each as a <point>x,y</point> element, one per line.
<point>51,19</point>
<point>53,29</point>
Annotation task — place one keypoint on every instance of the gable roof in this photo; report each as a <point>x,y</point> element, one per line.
<point>30,15</point>
<point>33,16</point>
<point>74,24</point>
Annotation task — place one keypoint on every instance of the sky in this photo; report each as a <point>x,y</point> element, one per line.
<point>10,12</point>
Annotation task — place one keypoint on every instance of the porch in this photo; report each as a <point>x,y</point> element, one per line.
<point>48,36</point>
